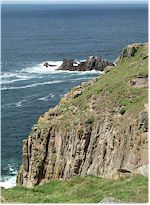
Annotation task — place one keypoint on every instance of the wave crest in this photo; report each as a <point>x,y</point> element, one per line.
<point>40,69</point>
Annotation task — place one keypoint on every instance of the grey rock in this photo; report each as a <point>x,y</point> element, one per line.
<point>143,120</point>
<point>67,65</point>
<point>142,170</point>
<point>126,52</point>
<point>110,200</point>
<point>77,93</point>
<point>46,64</point>
<point>92,63</point>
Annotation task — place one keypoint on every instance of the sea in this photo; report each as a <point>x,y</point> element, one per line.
<point>33,34</point>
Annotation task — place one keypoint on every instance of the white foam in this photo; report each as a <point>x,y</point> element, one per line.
<point>8,183</point>
<point>43,99</point>
<point>18,104</point>
<point>32,85</point>
<point>38,71</point>
<point>6,78</point>
<point>31,72</point>
<point>46,98</point>
<point>7,75</point>
<point>13,75</point>
<point>81,72</point>
<point>41,69</point>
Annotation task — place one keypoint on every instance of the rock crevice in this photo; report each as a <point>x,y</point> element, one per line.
<point>96,151</point>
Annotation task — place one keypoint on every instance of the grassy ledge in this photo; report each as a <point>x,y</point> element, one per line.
<point>88,189</point>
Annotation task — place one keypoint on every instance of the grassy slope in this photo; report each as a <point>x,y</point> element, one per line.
<point>80,190</point>
<point>110,91</point>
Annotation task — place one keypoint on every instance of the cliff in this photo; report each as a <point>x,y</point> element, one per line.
<point>99,128</point>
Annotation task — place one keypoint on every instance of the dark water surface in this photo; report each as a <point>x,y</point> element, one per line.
<point>32,34</point>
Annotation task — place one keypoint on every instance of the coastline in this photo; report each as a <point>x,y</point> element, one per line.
<point>88,116</point>
<point>10,181</point>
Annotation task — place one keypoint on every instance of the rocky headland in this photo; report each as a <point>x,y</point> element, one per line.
<point>99,128</point>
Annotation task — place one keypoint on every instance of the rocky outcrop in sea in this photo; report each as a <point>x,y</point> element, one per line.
<point>92,63</point>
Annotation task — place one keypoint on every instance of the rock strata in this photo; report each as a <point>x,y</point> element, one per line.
<point>51,153</point>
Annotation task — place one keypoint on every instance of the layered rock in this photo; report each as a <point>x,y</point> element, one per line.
<point>130,51</point>
<point>92,63</point>
<point>51,153</point>
<point>93,131</point>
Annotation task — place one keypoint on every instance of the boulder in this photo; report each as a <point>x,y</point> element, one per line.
<point>46,64</point>
<point>144,55</point>
<point>67,65</point>
<point>127,52</point>
<point>142,170</point>
<point>139,82</point>
<point>116,174</point>
<point>82,66</point>
<point>77,93</point>
<point>143,120</point>
<point>109,200</point>
<point>97,63</point>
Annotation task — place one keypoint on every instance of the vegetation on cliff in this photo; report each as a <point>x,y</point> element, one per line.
<point>115,92</point>
<point>81,190</point>
<point>99,128</point>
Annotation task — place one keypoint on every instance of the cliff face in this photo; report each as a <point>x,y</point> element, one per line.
<point>99,128</point>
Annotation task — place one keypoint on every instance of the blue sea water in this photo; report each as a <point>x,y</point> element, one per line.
<point>32,34</point>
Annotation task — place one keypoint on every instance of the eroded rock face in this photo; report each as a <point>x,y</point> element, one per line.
<point>102,150</point>
<point>92,63</point>
<point>130,51</point>
<point>139,82</point>
<point>67,65</point>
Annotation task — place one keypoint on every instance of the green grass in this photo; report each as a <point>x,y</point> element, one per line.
<point>88,189</point>
<point>112,90</point>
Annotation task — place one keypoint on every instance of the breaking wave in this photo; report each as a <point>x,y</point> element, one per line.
<point>9,181</point>
<point>40,69</point>
<point>37,72</point>
<point>31,85</point>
